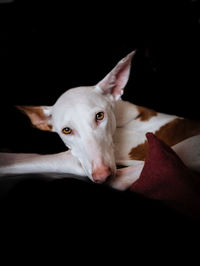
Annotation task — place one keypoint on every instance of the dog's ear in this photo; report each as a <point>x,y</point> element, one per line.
<point>40,116</point>
<point>116,80</point>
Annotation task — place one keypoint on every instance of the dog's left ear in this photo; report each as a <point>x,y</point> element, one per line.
<point>116,80</point>
<point>40,116</point>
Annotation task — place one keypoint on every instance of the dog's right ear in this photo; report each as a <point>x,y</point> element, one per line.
<point>40,116</point>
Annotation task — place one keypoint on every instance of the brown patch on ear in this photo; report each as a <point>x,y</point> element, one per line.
<point>171,133</point>
<point>145,113</point>
<point>37,116</point>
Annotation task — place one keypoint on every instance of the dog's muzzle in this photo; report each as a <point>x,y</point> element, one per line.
<point>100,174</point>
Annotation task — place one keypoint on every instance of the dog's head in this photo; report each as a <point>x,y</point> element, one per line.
<point>84,118</point>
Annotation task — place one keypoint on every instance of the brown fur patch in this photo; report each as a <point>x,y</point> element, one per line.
<point>145,113</point>
<point>139,152</point>
<point>37,117</point>
<point>171,133</point>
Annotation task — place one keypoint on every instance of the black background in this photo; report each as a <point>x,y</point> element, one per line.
<point>48,47</point>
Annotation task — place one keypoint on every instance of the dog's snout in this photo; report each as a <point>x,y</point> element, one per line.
<point>100,174</point>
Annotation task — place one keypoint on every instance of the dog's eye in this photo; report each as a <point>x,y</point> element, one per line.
<point>67,131</point>
<point>99,116</point>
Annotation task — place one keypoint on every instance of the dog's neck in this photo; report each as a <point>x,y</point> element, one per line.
<point>126,113</point>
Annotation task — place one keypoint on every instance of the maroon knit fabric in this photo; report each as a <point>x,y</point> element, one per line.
<point>166,178</point>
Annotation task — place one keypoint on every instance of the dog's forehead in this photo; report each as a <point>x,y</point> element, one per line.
<point>80,95</point>
<point>77,101</point>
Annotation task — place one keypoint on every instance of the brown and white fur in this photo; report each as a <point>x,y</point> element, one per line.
<point>102,131</point>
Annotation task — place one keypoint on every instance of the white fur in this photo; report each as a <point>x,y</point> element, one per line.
<point>189,152</point>
<point>96,145</point>
<point>90,142</point>
<point>131,132</point>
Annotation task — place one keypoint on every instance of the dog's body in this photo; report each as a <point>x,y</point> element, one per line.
<point>102,131</point>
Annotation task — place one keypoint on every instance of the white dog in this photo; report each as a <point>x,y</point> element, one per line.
<point>101,131</point>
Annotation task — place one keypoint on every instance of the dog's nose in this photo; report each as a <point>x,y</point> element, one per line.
<point>101,174</point>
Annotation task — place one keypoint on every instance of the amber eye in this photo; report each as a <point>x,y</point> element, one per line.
<point>67,131</point>
<point>99,116</point>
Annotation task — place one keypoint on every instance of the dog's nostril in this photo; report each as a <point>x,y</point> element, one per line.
<point>99,181</point>
<point>101,175</point>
